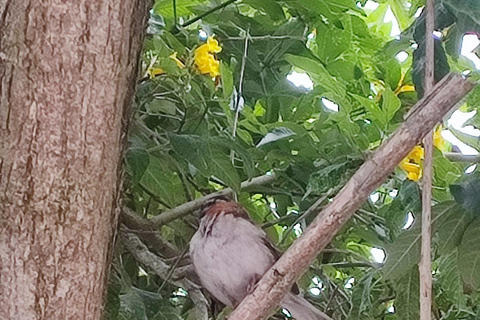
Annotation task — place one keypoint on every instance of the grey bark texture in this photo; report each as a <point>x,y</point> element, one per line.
<point>67,75</point>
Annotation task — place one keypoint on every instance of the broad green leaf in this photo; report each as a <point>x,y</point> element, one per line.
<point>404,252</point>
<point>227,80</point>
<point>318,73</point>
<point>330,175</point>
<point>270,7</point>
<point>446,172</point>
<point>407,305</point>
<point>469,256</point>
<point>183,7</point>
<point>442,67</point>
<point>361,298</point>
<point>132,307</point>
<point>467,192</point>
<point>163,183</point>
<point>452,228</point>
<point>450,278</point>
<point>193,150</point>
<point>240,151</point>
<point>162,106</point>
<point>470,140</point>
<point>374,111</point>
<point>138,160</point>
<point>275,135</point>
<point>400,10</point>
<point>390,104</point>
<point>223,169</point>
<point>332,41</point>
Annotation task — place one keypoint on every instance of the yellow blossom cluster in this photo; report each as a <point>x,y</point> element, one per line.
<point>205,60</point>
<point>412,163</point>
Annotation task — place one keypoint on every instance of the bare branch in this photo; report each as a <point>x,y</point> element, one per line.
<point>141,253</point>
<point>278,280</point>
<point>191,206</point>
<point>143,228</point>
<point>425,265</point>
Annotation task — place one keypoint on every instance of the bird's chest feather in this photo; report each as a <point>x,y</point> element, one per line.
<point>229,256</point>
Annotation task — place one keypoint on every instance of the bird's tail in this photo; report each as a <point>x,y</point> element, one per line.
<point>301,309</point>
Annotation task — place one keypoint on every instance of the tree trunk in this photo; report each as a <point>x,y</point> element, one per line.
<point>67,75</point>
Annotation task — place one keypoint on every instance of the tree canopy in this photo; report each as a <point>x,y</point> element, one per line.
<point>303,92</point>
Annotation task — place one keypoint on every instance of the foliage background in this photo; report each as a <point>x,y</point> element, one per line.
<point>182,140</point>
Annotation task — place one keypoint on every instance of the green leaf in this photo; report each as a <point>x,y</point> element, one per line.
<point>400,10</point>
<point>227,80</point>
<point>390,104</point>
<point>470,140</point>
<point>224,170</point>
<point>374,111</point>
<point>163,183</point>
<point>361,298</point>
<point>332,41</point>
<point>162,106</point>
<point>407,303</point>
<point>275,135</point>
<point>132,307</point>
<point>467,192</point>
<point>270,7</point>
<point>469,256</point>
<point>404,252</point>
<point>183,7</point>
<point>318,73</point>
<point>450,279</point>
<point>452,229</point>
<point>442,68</point>
<point>138,160</point>
<point>192,149</point>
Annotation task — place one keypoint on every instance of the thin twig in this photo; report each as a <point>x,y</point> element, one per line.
<point>314,207</point>
<point>240,92</point>
<point>425,266</point>
<point>206,13</point>
<point>172,269</point>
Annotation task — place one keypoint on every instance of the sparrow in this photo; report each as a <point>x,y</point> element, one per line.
<point>230,254</point>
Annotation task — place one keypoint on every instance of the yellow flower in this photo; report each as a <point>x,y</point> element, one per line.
<point>173,56</point>
<point>438,140</point>
<point>416,155</point>
<point>414,171</point>
<point>153,72</point>
<point>404,88</point>
<point>412,163</point>
<point>205,59</point>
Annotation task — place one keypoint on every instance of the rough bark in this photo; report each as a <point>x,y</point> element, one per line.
<point>279,279</point>
<point>67,74</point>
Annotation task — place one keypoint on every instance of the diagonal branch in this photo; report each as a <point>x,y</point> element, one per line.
<point>141,253</point>
<point>279,279</point>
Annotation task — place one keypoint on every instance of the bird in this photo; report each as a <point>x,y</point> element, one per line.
<point>230,254</point>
